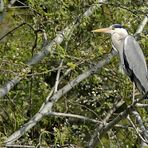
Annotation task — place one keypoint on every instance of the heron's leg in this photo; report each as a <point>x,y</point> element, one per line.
<point>133,92</point>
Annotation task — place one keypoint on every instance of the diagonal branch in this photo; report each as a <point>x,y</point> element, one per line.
<point>49,47</point>
<point>73,116</point>
<point>141,126</point>
<point>83,118</point>
<point>12,2</point>
<point>102,129</point>
<point>141,26</point>
<point>94,137</point>
<point>107,126</point>
<point>142,105</point>
<point>46,108</point>
<point>137,131</point>
<point>58,77</point>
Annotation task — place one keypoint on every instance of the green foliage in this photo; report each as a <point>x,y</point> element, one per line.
<point>93,98</point>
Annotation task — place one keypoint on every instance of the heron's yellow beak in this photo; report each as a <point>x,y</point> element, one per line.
<point>105,30</point>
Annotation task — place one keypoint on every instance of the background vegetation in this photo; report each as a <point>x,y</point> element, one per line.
<point>39,23</point>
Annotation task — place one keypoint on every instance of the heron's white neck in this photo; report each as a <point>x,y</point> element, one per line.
<point>119,33</point>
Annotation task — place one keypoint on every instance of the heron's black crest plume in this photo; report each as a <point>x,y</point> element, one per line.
<point>117,26</point>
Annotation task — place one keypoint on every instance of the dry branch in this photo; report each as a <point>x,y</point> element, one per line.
<point>49,48</point>
<point>102,129</point>
<point>83,118</point>
<point>46,108</point>
<point>141,126</point>
<point>58,77</point>
<point>18,146</point>
<point>94,139</point>
<point>107,126</point>
<point>142,105</point>
<point>137,131</point>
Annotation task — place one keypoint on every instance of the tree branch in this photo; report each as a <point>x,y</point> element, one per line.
<point>83,118</point>
<point>141,125</point>
<point>94,138</point>
<point>57,77</point>
<point>107,126</point>
<point>142,105</point>
<point>12,2</point>
<point>46,108</point>
<point>138,133</point>
<point>48,48</point>
<point>18,146</point>
<point>141,26</point>
<point>73,116</point>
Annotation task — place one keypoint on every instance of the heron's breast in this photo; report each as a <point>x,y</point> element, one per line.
<point>117,42</point>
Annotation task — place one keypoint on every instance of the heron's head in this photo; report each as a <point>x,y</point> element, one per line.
<point>115,28</point>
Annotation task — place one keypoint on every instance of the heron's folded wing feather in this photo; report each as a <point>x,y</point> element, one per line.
<point>134,57</point>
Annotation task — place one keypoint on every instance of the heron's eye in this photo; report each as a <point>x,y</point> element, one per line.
<point>113,28</point>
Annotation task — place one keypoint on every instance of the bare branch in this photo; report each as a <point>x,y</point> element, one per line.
<point>94,137</point>
<point>83,118</point>
<point>115,107</point>
<point>48,48</point>
<point>73,116</point>
<point>98,130</point>
<point>130,120</point>
<point>141,26</point>
<point>107,126</point>
<point>18,146</point>
<point>57,77</point>
<point>6,34</point>
<point>141,105</point>
<point>141,126</point>
<point>12,2</point>
<point>46,108</point>
<point>52,90</point>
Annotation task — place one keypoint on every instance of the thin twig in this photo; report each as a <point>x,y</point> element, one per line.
<point>47,107</point>
<point>12,30</point>
<point>18,146</point>
<point>141,125</point>
<point>57,77</point>
<point>48,48</point>
<point>83,118</point>
<point>52,90</point>
<point>98,131</point>
<point>130,120</point>
<point>94,137</point>
<point>73,116</point>
<point>141,105</point>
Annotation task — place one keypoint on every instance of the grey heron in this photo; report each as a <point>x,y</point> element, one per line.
<point>131,56</point>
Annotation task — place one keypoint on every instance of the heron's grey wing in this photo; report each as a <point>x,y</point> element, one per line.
<point>135,63</point>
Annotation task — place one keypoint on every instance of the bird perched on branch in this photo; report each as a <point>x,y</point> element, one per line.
<point>131,56</point>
